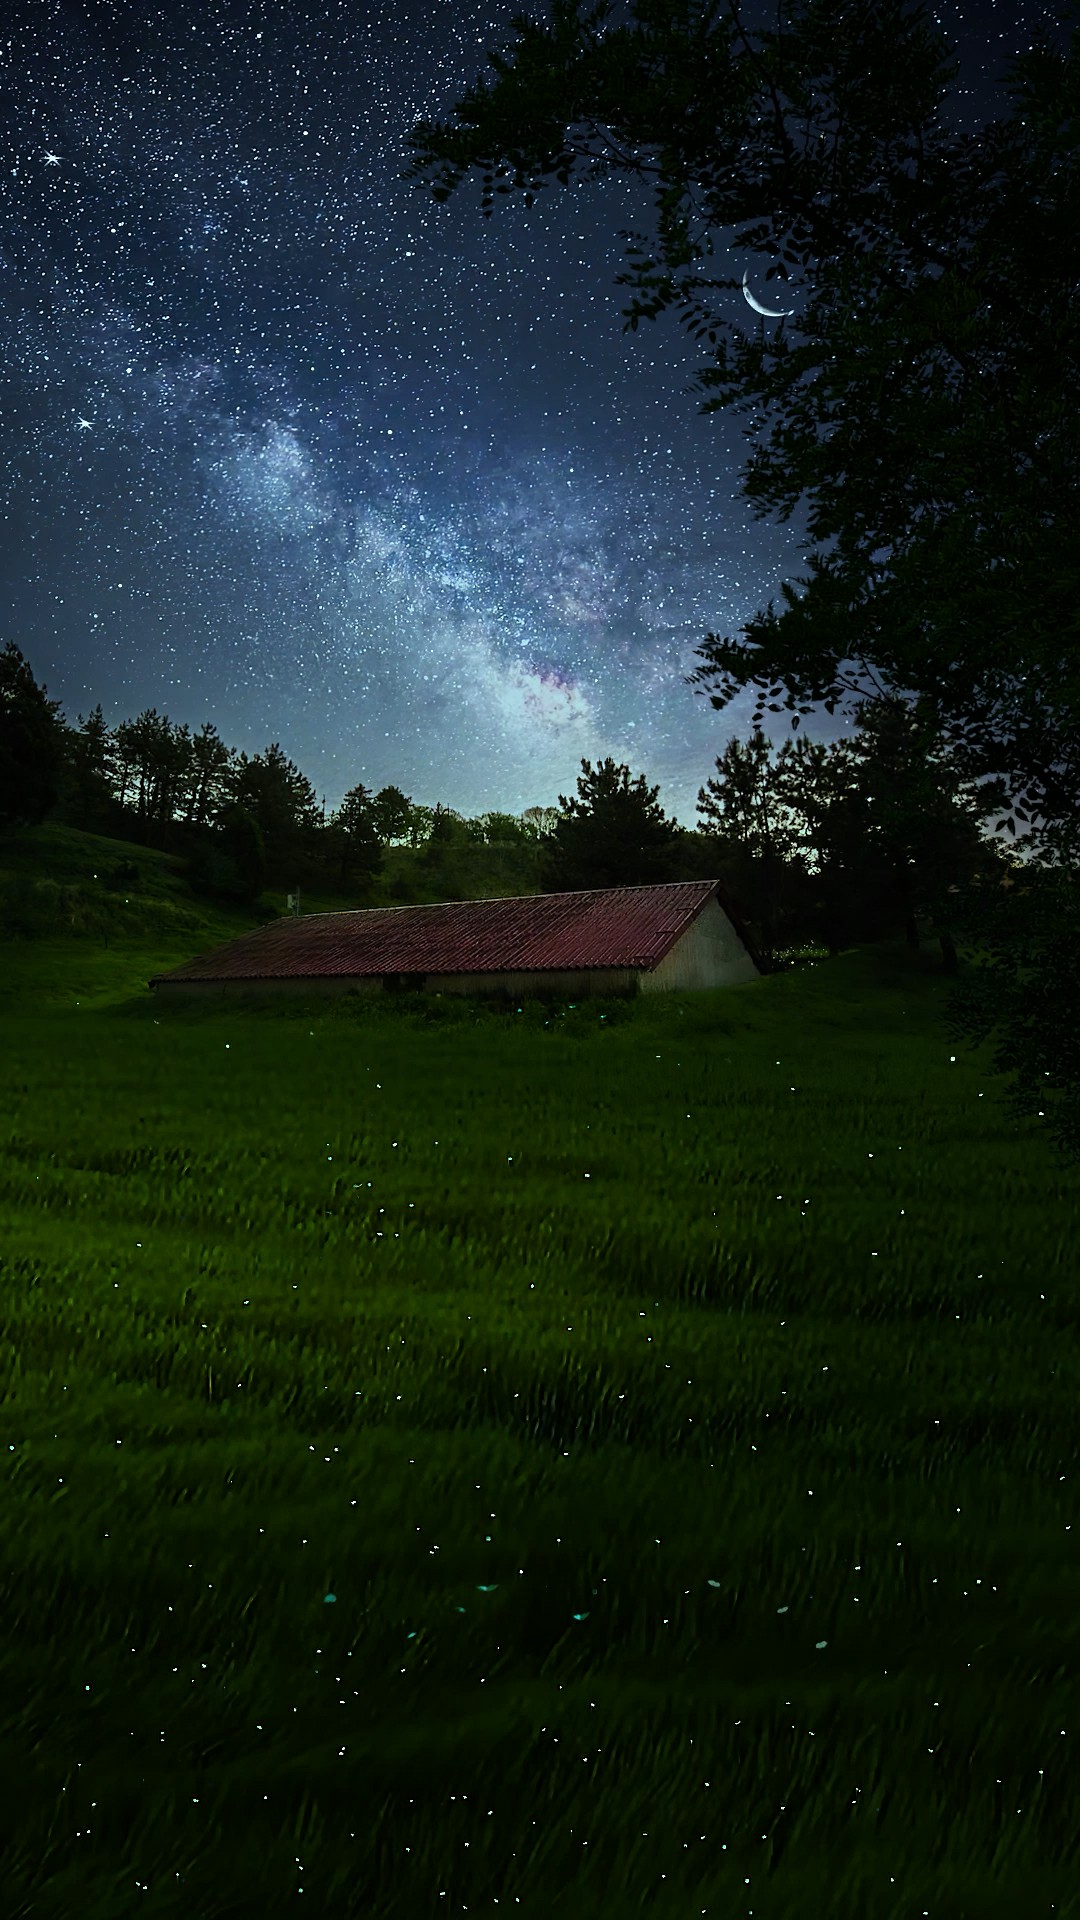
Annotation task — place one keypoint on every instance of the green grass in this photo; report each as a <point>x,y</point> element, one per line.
<point>457,1464</point>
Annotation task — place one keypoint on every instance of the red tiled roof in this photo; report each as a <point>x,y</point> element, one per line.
<point>610,927</point>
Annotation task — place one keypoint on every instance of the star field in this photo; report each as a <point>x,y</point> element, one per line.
<point>289,446</point>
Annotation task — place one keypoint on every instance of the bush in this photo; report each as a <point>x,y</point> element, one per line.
<point>401,888</point>
<point>573,1017</point>
<point>42,909</point>
<point>229,864</point>
<point>23,913</point>
<point>441,1009</point>
<point>124,878</point>
<point>585,1016</point>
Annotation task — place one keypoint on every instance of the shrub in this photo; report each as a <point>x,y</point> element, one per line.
<point>23,914</point>
<point>124,878</point>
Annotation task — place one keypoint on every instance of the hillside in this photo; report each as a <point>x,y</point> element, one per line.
<point>79,913</point>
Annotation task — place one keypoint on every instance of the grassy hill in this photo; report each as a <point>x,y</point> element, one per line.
<point>620,1466</point>
<point>73,929</point>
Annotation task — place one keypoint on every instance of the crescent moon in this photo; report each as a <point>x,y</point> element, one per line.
<point>770,313</point>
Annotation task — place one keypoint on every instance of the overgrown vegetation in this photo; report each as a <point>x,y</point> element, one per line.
<point>617,1466</point>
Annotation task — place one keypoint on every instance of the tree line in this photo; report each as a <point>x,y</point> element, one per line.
<point>849,841</point>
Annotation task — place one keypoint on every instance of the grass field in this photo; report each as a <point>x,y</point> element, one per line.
<point>463,1465</point>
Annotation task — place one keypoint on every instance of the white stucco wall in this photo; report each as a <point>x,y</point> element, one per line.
<point>710,954</point>
<point>578,984</point>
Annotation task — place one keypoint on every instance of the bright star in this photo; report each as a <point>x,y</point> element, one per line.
<point>83,423</point>
<point>52,159</point>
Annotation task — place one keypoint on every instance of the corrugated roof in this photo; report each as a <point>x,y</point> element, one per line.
<point>609,927</point>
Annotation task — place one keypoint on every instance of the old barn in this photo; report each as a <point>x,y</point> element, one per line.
<point>613,940</point>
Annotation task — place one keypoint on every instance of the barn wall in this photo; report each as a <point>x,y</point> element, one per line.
<point>578,984</point>
<point>710,954</point>
<point>203,989</point>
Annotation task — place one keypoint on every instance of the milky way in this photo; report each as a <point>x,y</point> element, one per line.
<point>289,446</point>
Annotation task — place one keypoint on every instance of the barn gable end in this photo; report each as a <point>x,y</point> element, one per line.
<point>709,954</point>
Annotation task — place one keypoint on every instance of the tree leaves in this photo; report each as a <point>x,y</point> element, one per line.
<point>613,834</point>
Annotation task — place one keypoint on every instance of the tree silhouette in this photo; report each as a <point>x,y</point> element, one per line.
<point>391,814</point>
<point>614,834</point>
<point>540,820</point>
<point>88,783</point>
<point>351,834</point>
<point>231,864</point>
<point>921,816</point>
<point>742,807</point>
<point>31,744</point>
<point>420,823</point>
<point>884,821</point>
<point>152,762</point>
<point>282,802</point>
<point>506,829</point>
<point>206,784</point>
<point>440,864</point>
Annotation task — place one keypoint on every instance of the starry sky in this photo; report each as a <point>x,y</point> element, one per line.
<point>289,446</point>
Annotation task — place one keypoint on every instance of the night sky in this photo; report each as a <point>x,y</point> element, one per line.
<point>289,446</point>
